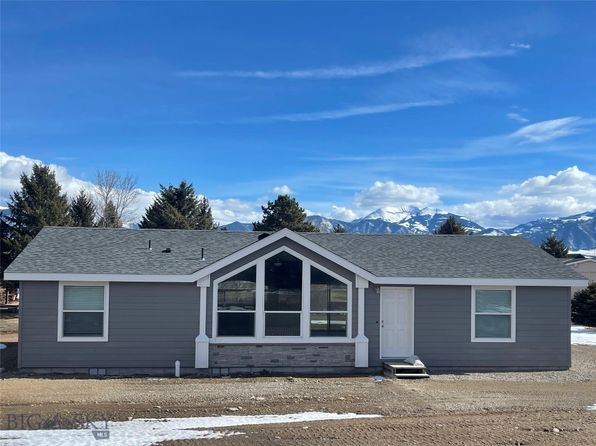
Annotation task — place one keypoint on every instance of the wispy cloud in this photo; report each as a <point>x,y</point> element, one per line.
<point>517,117</point>
<point>354,71</point>
<point>346,112</point>
<point>539,137</point>
<point>551,130</point>
<point>520,45</point>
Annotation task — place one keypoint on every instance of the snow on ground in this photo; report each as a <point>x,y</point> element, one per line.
<point>581,335</point>
<point>592,407</point>
<point>148,431</point>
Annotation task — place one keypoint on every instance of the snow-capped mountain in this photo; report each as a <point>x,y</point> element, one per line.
<point>577,231</point>
<point>410,220</point>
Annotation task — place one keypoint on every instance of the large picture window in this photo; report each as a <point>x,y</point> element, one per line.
<point>83,313</point>
<point>236,299</point>
<point>328,305</point>
<point>283,295</point>
<point>280,296</point>
<point>493,315</point>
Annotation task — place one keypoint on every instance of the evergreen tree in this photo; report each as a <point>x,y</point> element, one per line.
<point>339,229</point>
<point>178,208</point>
<point>82,210</point>
<point>38,203</point>
<point>284,212</point>
<point>555,247</point>
<point>110,218</point>
<point>451,226</point>
<point>583,306</point>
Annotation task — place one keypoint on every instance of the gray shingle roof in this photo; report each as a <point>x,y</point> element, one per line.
<point>125,251</point>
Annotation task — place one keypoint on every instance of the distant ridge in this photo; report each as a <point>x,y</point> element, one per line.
<point>577,231</point>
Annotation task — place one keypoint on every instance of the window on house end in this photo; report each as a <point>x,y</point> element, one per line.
<point>83,310</point>
<point>493,314</point>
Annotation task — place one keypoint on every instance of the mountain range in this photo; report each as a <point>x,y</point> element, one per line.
<point>577,231</point>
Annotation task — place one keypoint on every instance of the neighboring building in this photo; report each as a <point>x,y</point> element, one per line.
<point>585,266</point>
<point>122,301</point>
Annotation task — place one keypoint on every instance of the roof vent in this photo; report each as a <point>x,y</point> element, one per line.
<point>167,250</point>
<point>149,245</point>
<point>262,236</point>
<point>202,254</point>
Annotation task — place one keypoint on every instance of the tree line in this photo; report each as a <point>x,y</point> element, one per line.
<point>108,204</point>
<point>41,202</point>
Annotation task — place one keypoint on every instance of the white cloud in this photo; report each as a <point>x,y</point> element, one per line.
<point>389,193</point>
<point>567,192</point>
<point>517,117</point>
<point>282,190</point>
<point>11,168</point>
<point>231,209</point>
<point>343,213</point>
<point>362,70</point>
<point>520,45</point>
<point>549,130</point>
<point>224,210</point>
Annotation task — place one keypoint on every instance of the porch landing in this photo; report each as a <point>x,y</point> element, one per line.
<point>405,369</point>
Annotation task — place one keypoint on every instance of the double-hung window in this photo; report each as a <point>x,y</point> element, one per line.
<point>328,305</point>
<point>83,312</point>
<point>493,314</point>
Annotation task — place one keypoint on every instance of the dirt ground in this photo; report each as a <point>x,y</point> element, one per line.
<point>538,408</point>
<point>484,409</point>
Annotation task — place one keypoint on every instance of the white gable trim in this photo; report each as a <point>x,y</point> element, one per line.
<point>284,233</point>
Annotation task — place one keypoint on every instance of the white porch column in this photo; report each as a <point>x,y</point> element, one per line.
<point>361,340</point>
<point>202,341</point>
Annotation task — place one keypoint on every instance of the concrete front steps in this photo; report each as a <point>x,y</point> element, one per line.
<point>402,369</point>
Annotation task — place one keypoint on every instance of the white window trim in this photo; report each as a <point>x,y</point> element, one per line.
<point>260,302</point>
<point>106,312</point>
<point>511,338</point>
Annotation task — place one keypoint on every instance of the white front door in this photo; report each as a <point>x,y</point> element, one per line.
<point>397,322</point>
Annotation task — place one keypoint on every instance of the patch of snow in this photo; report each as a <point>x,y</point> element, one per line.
<point>581,335</point>
<point>585,252</point>
<point>148,431</point>
<point>592,407</point>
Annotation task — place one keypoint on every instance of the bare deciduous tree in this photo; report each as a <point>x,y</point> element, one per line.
<point>117,189</point>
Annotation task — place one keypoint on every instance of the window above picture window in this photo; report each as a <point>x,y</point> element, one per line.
<point>83,312</point>
<point>493,314</point>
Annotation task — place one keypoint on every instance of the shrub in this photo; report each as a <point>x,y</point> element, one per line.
<point>583,306</point>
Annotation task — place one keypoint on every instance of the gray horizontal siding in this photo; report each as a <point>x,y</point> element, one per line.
<point>442,330</point>
<point>150,325</point>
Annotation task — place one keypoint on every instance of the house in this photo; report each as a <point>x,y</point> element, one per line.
<point>123,301</point>
<point>586,266</point>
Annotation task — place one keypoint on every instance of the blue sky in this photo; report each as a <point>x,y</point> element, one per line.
<point>487,109</point>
